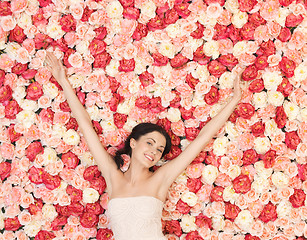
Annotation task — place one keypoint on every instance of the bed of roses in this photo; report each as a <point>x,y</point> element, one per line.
<point>168,62</point>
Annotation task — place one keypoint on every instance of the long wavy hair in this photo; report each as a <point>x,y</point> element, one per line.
<point>137,132</point>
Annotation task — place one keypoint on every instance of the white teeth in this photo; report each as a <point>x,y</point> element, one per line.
<point>148,157</point>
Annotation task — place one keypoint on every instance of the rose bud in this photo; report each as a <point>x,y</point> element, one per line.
<point>284,35</point>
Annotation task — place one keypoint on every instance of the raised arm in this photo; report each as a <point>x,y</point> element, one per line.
<point>172,169</point>
<point>104,161</point>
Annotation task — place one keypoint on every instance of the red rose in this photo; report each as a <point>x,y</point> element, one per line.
<point>36,207</point>
<point>88,220</point>
<point>2,77</point>
<point>166,124</point>
<point>68,23</point>
<point>5,8</point>
<point>247,5</point>
<point>173,227</point>
<point>221,2</point>
<point>212,159</point>
<point>292,140</point>
<point>200,158</point>
<point>38,18</point>
<point>182,9</point>
<point>86,14</point>
<point>131,13</point>
<point>287,66</point>
<point>14,136</point>
<point>114,84</point>
<point>19,68</point>
<point>59,222</point>
<point>297,199</point>
<point>72,124</point>
<point>97,47</point>
<point>245,110</point>
<point>91,173</point>
<point>44,3</point>
<point>302,171</point>
<point>285,87</point>
<point>220,32</point>
<point>120,119</point>
<point>250,73</point>
<point>266,48</point>
<point>191,81</point>
<point>269,158</point>
<point>183,207</point>
<point>216,194</point>
<point>33,150</point>
<point>46,115</point>
<point>174,152</point>
<point>97,127</point>
<point>216,68</point>
<point>179,61</point>
<point>200,57</point>
<point>228,60</point>
<point>12,109</point>
<point>285,3</point>
<point>258,129</point>
<point>250,156</point>
<point>74,193</point>
<point>5,93</point>
<point>64,106</point>
<point>44,235</point>
<point>17,35</point>
<point>175,103</point>
<point>233,116</point>
<point>247,31</point>
<point>261,62</point>
<point>142,102</point>
<point>175,140</point>
<point>199,32</point>
<point>94,208</point>
<point>256,85</point>
<point>162,9</point>
<point>51,182</point>
<point>284,35</point>
<point>62,210</point>
<point>5,170</point>
<point>194,235</point>
<point>61,44</point>
<point>159,59</point>
<point>126,65</point>
<point>75,209</point>
<point>155,23</point>
<point>156,105</point>
<point>234,34</point>
<point>186,113</point>
<point>70,160</point>
<point>146,78</point>
<point>280,117</point>
<point>12,224</point>
<point>212,96</point>
<point>268,213</point>
<point>34,91</point>
<point>101,33</point>
<point>171,16</point>
<point>231,211</point>
<point>113,103</point>
<point>42,41</point>
<point>140,31</point>
<point>104,234</point>
<point>127,3</point>
<point>36,175</point>
<point>251,237</point>
<point>102,60</point>
<point>194,184</point>
<point>81,96</point>
<point>293,21</point>
<point>29,74</point>
<point>242,184</point>
<point>191,133</point>
<point>203,221</point>
<point>98,184</point>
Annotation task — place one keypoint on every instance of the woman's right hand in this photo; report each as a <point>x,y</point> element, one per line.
<point>56,67</point>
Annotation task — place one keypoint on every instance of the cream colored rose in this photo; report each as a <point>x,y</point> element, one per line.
<point>50,90</point>
<point>229,194</point>
<point>244,220</point>
<point>239,48</point>
<point>49,156</point>
<point>218,222</point>
<point>11,49</point>
<point>71,137</point>
<point>173,114</point>
<point>55,31</point>
<point>209,174</point>
<point>303,115</point>
<point>283,209</point>
<point>282,15</point>
<point>188,223</point>
<point>262,145</point>
<point>2,217</point>
<point>232,6</point>
<point>167,49</point>
<point>233,171</point>
<point>93,112</point>
<point>90,195</point>
<point>76,80</point>
<point>83,47</point>
<point>87,159</point>
<point>29,105</point>
<point>231,130</point>
<point>24,20</point>
<point>260,184</point>
<point>270,128</point>
<point>261,170</point>
<point>173,30</point>
<point>201,73</point>
<point>211,49</point>
<point>32,228</point>
<point>19,93</point>
<point>260,99</point>
<point>112,68</point>
<point>108,125</point>
<point>148,8</point>
<point>126,106</point>
<point>280,180</point>
<point>215,109</point>
<point>134,86</point>
<point>271,79</point>
<point>239,19</point>
<point>226,80</point>
<point>220,146</point>
<point>189,198</point>
<point>114,9</point>
<point>291,110</point>
<point>275,98</point>
<point>300,72</point>
<point>49,212</point>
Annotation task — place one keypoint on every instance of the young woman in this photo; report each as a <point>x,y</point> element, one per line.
<point>137,195</point>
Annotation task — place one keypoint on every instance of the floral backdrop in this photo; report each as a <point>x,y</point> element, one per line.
<point>170,62</point>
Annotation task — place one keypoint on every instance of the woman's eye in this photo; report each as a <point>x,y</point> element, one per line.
<point>149,143</point>
<point>160,150</point>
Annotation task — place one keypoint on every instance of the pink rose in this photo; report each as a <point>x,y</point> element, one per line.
<point>143,102</point>
<point>127,3</point>
<point>35,207</point>
<point>102,60</point>
<point>234,34</point>
<point>191,133</point>
<point>242,184</point>
<point>183,207</point>
<point>173,227</point>
<point>203,221</point>
<point>120,119</point>
<point>88,220</point>
<point>191,81</point>
<point>86,14</point>
<point>216,194</point>
<point>67,53</point>
<point>212,96</point>
<point>292,140</point>
<point>284,35</point>
<point>287,66</point>
<point>155,23</point>
<point>29,74</point>
<point>38,18</point>
<point>97,127</point>
<point>97,47</point>
<point>131,13</point>
<point>269,158</point>
<point>216,68</point>
<point>104,234</point>
<point>166,124</point>
<point>186,113</point>
<point>297,199</point>
<point>113,103</point>
<point>5,93</point>
<point>42,41</point>
<point>91,173</point>
<point>101,33</point>
<point>220,32</point>
<point>19,68</point>
<point>74,193</point>
<point>11,109</point>
<point>17,35</point>
<point>302,171</point>
<point>159,59</point>
<point>5,170</point>
<point>179,61</point>
<point>194,184</point>
<point>140,31</point>
<point>171,16</point>
<point>72,124</point>
<point>266,48</point>
<point>174,152</point>
<point>146,78</point>
<point>114,84</point>
<point>70,160</point>
<point>250,156</point>
<point>44,235</point>
<point>12,224</point>
<point>194,235</point>
<point>126,65</point>
<point>46,115</point>
<point>68,23</point>
<point>13,135</point>
<point>285,3</point>
<point>251,237</point>
<point>256,85</point>
<point>268,213</point>
<point>34,91</point>
<point>5,8</point>
<point>247,5</point>
<point>2,77</point>
<point>51,182</point>
<point>182,9</point>
<point>33,150</point>
<point>75,209</point>
<point>285,87</point>
<point>231,211</point>
<point>175,103</point>
<point>36,175</point>
<point>293,21</point>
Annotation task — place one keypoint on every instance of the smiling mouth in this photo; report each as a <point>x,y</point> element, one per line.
<point>149,158</point>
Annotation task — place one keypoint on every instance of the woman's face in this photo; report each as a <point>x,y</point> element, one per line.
<point>148,148</point>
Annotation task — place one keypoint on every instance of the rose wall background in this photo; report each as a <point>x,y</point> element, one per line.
<point>171,62</point>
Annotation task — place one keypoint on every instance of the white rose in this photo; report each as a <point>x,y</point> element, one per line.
<point>270,128</point>
<point>271,79</point>
<point>218,222</point>
<point>50,90</point>
<point>229,194</point>
<point>76,80</point>
<point>280,179</point>
<point>300,72</point>
<point>291,110</point>
<point>134,86</point>
<point>11,49</point>
<point>108,125</point>
<point>283,209</point>
<point>260,99</point>
<point>231,130</point>
<point>19,93</point>
<point>90,195</point>
<point>112,68</point>
<point>173,30</point>
<point>32,228</point>
<point>260,184</point>
<point>173,114</point>
<point>262,145</point>
<point>303,115</point>
<point>83,47</point>
<point>201,72</point>
<point>126,106</point>
<point>239,48</point>
<point>2,217</point>
<point>220,146</point>
<point>211,49</point>
<point>188,223</point>
<point>205,20</point>
<point>30,105</point>
<point>49,156</point>
<point>282,15</point>
<point>148,8</point>
<point>114,9</point>
<point>167,49</point>
<point>49,212</point>
<point>71,137</point>
<point>140,65</point>
<point>232,6</point>
<point>75,59</point>
<point>261,170</point>
<point>226,80</point>
<point>26,117</point>
<point>55,31</point>
<point>184,143</point>
<point>189,198</point>
<point>24,20</point>
<point>275,98</point>
<point>87,159</point>
<point>233,171</point>
<point>209,174</point>
<point>244,220</point>
<point>239,18</point>
<point>93,112</point>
